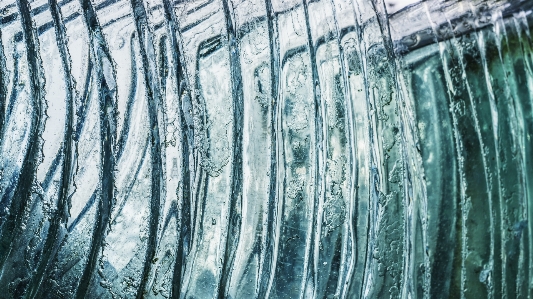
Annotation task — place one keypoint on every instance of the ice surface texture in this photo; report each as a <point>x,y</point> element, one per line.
<point>266,149</point>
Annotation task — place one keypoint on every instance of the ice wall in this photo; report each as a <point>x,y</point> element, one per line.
<point>266,149</point>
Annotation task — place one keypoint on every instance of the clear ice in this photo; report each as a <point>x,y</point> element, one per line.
<point>266,149</point>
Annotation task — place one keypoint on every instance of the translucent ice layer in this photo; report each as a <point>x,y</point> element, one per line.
<point>266,149</point>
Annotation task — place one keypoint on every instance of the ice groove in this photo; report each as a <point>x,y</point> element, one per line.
<point>98,53</point>
<point>55,234</point>
<point>11,227</point>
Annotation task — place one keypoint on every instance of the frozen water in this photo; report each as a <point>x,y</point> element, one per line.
<point>266,149</point>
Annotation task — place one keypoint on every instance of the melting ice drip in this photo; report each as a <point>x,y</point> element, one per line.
<point>254,149</point>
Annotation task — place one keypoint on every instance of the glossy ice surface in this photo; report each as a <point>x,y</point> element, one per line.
<point>266,149</point>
